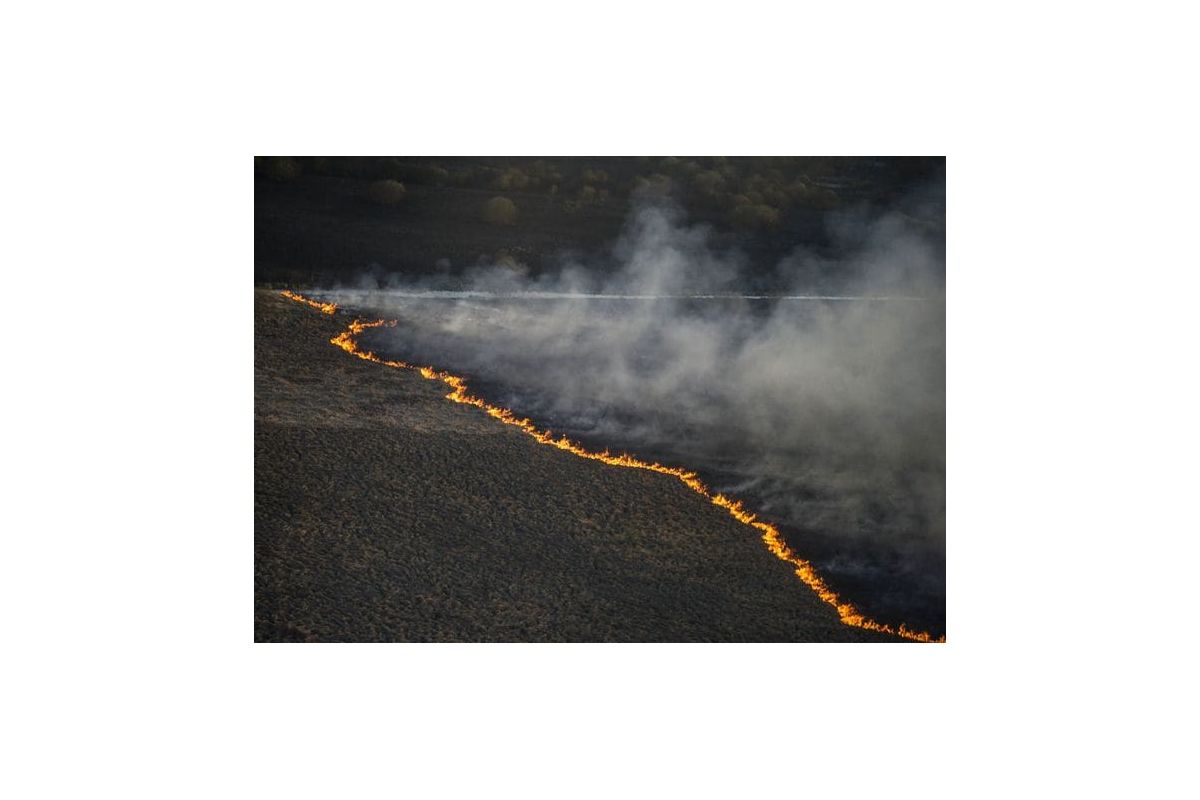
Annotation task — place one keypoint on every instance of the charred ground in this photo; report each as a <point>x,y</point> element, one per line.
<point>384,513</point>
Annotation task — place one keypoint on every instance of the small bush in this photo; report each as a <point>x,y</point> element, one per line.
<point>590,196</point>
<point>500,211</point>
<point>655,185</point>
<point>595,176</point>
<point>386,192</point>
<point>508,263</point>
<point>402,169</point>
<point>510,179</point>
<point>769,187</point>
<point>430,174</point>
<point>814,197</point>
<point>749,214</point>
<point>709,183</point>
<point>544,174</point>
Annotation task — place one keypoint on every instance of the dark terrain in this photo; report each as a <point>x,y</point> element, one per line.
<point>869,516</point>
<point>385,513</point>
<point>320,221</point>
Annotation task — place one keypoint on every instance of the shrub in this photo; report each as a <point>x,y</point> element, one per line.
<point>544,174</point>
<point>595,176</point>
<point>709,183</point>
<point>507,263</point>
<point>655,185</point>
<point>402,169</point>
<point>590,196</point>
<point>511,178</point>
<point>814,197</point>
<point>749,214</point>
<point>430,174</point>
<point>500,211</point>
<point>769,187</point>
<point>387,192</point>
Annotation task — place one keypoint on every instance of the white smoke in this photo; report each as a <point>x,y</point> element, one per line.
<point>825,404</point>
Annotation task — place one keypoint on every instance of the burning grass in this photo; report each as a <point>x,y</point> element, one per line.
<point>347,340</point>
<point>324,308</point>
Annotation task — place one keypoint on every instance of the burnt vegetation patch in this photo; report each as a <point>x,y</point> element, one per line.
<point>384,513</point>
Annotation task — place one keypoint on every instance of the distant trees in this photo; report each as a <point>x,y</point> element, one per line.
<point>749,194</point>
<point>753,195</point>
<point>500,211</point>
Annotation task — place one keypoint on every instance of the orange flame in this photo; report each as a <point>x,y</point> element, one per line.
<point>326,308</point>
<point>770,535</point>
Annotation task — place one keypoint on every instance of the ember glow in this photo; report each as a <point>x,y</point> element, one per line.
<point>769,533</point>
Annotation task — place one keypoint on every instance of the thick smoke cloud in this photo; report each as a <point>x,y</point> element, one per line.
<point>829,415</point>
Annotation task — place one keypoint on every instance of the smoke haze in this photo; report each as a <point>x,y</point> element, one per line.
<point>826,415</point>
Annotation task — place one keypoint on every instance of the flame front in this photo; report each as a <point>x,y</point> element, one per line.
<point>770,534</point>
<point>325,308</point>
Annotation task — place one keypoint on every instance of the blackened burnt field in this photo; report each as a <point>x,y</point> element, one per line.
<point>385,513</point>
<point>824,415</point>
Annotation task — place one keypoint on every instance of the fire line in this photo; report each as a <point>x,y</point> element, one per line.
<point>770,534</point>
<point>325,308</point>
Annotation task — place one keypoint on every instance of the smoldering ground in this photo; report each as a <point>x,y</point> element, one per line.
<point>826,414</point>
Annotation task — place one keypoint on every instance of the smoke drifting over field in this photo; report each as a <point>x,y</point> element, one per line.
<point>827,415</point>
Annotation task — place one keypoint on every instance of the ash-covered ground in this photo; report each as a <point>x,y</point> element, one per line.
<point>385,513</point>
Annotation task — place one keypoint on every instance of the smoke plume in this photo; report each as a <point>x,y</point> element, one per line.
<point>827,415</point>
